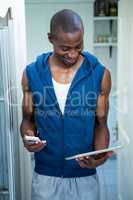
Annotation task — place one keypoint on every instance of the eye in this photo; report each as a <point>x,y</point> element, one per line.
<point>64,48</point>
<point>79,48</point>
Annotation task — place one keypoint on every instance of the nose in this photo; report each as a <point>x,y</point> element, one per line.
<point>72,54</point>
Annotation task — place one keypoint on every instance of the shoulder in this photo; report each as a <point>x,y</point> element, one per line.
<point>24,82</point>
<point>93,62</point>
<point>39,62</point>
<point>106,82</point>
<point>31,68</point>
<point>90,57</point>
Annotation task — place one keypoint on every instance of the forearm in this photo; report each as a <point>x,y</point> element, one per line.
<point>101,137</point>
<point>27,125</point>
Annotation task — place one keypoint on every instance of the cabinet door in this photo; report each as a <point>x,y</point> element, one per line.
<point>6,155</point>
<point>105,49</point>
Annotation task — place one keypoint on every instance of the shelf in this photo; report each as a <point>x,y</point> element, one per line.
<point>105,18</point>
<point>105,44</point>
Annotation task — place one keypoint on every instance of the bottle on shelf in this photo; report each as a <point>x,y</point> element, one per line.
<point>113,9</point>
<point>105,39</point>
<point>105,8</point>
<point>99,8</point>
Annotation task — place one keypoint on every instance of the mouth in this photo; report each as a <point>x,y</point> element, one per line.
<point>69,61</point>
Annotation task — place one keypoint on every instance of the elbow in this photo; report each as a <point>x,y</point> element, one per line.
<point>101,120</point>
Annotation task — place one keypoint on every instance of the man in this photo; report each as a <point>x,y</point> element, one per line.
<point>66,105</point>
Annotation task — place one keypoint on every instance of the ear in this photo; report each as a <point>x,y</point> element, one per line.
<point>50,38</point>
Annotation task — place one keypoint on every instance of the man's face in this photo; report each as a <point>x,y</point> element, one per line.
<point>68,46</point>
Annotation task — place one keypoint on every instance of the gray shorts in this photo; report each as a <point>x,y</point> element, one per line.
<point>56,188</point>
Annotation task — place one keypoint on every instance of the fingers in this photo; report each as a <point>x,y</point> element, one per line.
<point>86,162</point>
<point>101,161</point>
<point>91,162</point>
<point>30,133</point>
<point>83,163</point>
<point>110,153</point>
<point>38,146</point>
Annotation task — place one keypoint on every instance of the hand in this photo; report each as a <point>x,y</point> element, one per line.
<point>92,162</point>
<point>37,146</point>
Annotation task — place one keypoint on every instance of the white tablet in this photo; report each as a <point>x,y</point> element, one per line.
<point>95,152</point>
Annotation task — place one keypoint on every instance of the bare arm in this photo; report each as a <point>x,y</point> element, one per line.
<point>101,135</point>
<point>101,139</point>
<point>28,126</point>
<point>27,109</point>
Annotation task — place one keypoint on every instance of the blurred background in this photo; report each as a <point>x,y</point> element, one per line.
<point>23,35</point>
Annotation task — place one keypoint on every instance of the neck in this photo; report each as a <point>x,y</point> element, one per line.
<point>57,63</point>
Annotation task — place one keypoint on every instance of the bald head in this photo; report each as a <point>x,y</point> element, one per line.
<point>67,21</point>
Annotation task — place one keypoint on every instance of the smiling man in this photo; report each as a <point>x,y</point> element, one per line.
<point>65,104</point>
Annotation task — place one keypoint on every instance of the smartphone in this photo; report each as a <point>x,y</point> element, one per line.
<point>31,139</point>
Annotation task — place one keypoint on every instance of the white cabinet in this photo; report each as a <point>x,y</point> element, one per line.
<point>105,32</point>
<point>105,43</point>
<point>105,48</point>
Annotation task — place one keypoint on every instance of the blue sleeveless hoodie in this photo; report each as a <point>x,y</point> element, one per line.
<point>69,133</point>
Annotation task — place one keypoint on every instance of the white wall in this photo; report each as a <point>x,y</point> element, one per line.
<point>125,97</point>
<point>38,15</point>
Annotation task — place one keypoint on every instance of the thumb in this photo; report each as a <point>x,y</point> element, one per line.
<point>30,132</point>
<point>110,153</point>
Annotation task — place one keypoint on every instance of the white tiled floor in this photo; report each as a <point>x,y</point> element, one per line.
<point>108,180</point>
